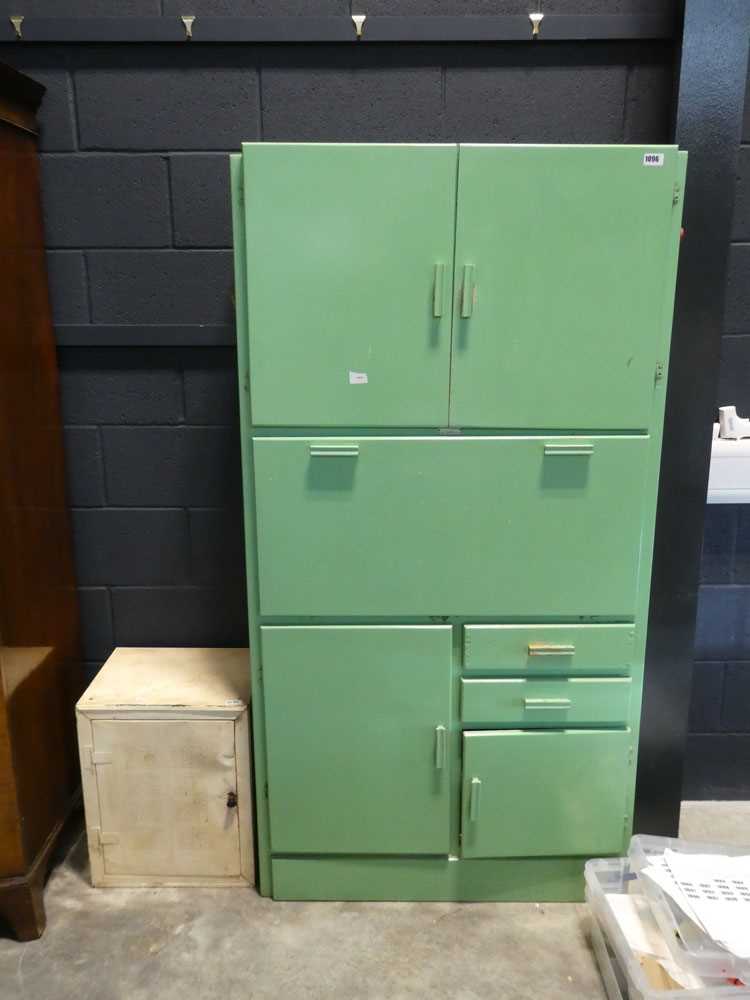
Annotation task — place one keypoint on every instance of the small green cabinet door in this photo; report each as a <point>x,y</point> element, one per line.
<point>349,282</point>
<point>560,312</point>
<point>356,730</point>
<point>555,793</point>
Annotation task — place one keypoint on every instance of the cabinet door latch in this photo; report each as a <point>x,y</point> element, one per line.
<point>101,839</point>
<point>94,757</point>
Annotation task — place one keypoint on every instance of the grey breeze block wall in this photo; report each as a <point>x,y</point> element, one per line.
<point>134,151</point>
<point>718,758</point>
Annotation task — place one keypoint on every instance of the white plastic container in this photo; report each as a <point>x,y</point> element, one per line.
<point>623,977</point>
<point>690,948</point>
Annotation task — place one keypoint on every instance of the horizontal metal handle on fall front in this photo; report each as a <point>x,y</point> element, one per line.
<point>334,450</point>
<point>553,448</point>
<point>551,649</point>
<point>546,703</point>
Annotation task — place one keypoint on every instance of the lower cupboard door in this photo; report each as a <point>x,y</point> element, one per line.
<point>530,794</point>
<point>356,732</point>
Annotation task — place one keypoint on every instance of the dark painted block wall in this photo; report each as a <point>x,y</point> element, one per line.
<point>153,467</point>
<point>718,757</point>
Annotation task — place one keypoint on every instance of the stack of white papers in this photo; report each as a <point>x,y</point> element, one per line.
<point>712,891</point>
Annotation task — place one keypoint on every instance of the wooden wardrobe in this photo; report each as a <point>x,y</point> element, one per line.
<point>39,643</point>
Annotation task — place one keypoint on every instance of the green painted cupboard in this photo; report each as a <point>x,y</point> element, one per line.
<point>452,363</point>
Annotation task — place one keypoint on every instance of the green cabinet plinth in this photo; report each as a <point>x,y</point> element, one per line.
<point>452,369</point>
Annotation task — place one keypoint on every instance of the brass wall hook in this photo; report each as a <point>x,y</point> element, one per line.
<point>536,21</point>
<point>359,24</point>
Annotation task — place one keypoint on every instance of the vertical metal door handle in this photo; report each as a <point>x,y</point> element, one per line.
<point>467,292</point>
<point>439,747</point>
<point>476,787</point>
<point>437,291</point>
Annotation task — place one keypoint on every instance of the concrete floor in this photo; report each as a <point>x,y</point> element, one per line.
<point>170,944</point>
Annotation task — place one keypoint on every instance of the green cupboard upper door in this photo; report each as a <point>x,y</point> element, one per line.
<point>562,257</point>
<point>349,281</point>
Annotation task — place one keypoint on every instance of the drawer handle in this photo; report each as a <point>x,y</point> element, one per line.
<point>334,450</point>
<point>561,448</point>
<point>542,703</point>
<point>551,649</point>
<point>467,292</point>
<point>440,747</point>
<point>437,291</point>
<point>474,791</point>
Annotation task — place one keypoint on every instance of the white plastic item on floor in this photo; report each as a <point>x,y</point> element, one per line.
<point>164,743</point>
<point>709,883</point>
<point>638,975</point>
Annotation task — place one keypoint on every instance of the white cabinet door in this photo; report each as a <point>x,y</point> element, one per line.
<point>164,796</point>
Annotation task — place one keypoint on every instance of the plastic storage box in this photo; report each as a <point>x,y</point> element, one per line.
<point>623,977</point>
<point>690,948</point>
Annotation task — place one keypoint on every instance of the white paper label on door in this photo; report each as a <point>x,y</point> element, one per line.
<point>653,159</point>
<point>357,378</point>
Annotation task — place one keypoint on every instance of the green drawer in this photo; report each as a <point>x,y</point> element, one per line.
<point>549,649</point>
<point>545,793</point>
<point>516,526</point>
<point>539,704</point>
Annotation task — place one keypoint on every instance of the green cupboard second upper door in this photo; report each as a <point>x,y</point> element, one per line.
<point>561,296</point>
<point>349,281</point>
